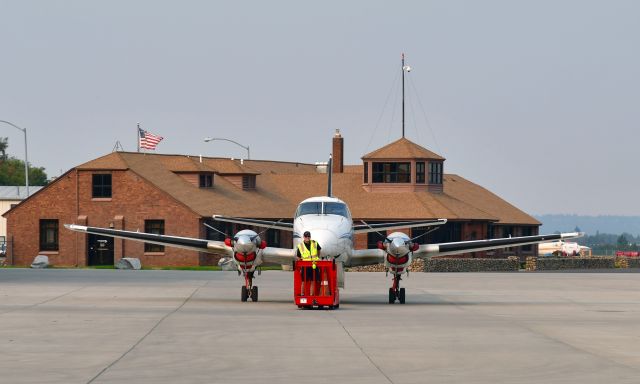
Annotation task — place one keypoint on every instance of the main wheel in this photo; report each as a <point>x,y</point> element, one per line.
<point>244,294</point>
<point>392,296</point>
<point>401,296</point>
<point>254,293</point>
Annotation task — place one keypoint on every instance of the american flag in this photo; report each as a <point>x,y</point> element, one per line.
<point>148,140</point>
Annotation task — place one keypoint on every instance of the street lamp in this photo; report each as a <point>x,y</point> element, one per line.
<point>208,139</point>
<point>26,160</point>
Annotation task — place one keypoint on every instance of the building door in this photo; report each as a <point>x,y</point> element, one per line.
<point>100,250</point>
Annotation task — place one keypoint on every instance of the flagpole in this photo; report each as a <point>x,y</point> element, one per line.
<point>138,137</point>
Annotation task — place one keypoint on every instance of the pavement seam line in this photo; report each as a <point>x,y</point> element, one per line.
<point>43,302</point>
<point>361,349</point>
<point>146,334</point>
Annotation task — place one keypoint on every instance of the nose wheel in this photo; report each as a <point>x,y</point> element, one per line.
<point>249,290</point>
<point>395,292</point>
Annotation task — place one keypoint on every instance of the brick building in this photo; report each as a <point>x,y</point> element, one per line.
<point>177,194</point>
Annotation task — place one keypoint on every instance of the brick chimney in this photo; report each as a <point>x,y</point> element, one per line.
<point>338,152</point>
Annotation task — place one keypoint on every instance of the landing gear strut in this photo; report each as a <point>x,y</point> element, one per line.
<point>249,290</point>
<point>396,292</point>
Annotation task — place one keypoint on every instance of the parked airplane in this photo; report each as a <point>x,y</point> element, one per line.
<point>330,223</point>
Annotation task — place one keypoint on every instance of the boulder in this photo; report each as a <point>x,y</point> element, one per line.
<point>129,263</point>
<point>227,264</point>
<point>40,261</point>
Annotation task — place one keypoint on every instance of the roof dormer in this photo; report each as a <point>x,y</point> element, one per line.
<point>403,166</point>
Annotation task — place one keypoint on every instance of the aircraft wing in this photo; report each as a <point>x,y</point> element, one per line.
<point>194,244</point>
<point>260,223</point>
<point>364,228</point>
<point>366,257</point>
<point>444,249</point>
<point>283,256</point>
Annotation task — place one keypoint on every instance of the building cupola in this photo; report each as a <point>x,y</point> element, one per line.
<point>403,166</point>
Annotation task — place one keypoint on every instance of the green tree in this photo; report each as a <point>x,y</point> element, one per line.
<point>12,169</point>
<point>4,143</point>
<point>622,242</point>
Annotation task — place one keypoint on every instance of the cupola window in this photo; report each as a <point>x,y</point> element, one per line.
<point>391,172</point>
<point>435,173</point>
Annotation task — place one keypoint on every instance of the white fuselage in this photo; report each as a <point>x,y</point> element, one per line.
<point>330,224</point>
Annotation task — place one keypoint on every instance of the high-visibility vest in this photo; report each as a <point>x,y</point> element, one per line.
<point>307,254</point>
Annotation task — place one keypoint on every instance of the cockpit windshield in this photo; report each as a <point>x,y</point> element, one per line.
<point>336,209</point>
<point>310,208</point>
<point>319,208</point>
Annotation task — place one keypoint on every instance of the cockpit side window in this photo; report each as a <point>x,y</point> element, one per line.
<point>310,208</point>
<point>336,209</point>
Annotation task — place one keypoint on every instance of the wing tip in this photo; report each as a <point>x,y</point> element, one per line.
<point>75,227</point>
<point>572,235</point>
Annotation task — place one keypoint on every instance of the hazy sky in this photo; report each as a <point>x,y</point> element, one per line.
<point>538,101</point>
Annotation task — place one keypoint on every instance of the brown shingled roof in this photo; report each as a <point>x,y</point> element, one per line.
<point>280,186</point>
<point>181,163</point>
<point>402,149</point>
<point>111,161</point>
<point>228,166</point>
<point>460,188</point>
<point>224,198</point>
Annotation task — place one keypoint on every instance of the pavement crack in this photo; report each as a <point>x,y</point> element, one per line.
<point>185,301</point>
<point>362,349</point>
<point>43,302</point>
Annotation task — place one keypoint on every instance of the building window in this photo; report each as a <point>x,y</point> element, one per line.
<point>366,172</point>
<point>420,172</point>
<point>452,231</point>
<point>435,173</point>
<point>490,231</point>
<point>273,237</point>
<point>527,231</point>
<point>101,185</point>
<point>391,172</point>
<point>418,234</point>
<point>249,182</point>
<point>48,234</point>
<point>508,231</point>
<point>206,180</point>
<point>373,238</point>
<point>157,227</point>
<point>222,230</point>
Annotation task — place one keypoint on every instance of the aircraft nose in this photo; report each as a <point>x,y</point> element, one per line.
<point>244,244</point>
<point>397,246</point>
<point>328,242</point>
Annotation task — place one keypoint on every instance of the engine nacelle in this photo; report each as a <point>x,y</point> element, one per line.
<point>398,248</point>
<point>247,247</point>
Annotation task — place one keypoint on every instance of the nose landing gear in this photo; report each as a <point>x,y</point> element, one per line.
<point>249,290</point>
<point>395,292</point>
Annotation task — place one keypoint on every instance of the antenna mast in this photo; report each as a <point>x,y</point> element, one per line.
<point>403,95</point>
<point>405,68</point>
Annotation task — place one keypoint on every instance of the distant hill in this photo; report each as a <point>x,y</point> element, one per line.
<point>590,224</point>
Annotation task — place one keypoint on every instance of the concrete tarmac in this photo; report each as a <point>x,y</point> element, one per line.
<point>111,326</point>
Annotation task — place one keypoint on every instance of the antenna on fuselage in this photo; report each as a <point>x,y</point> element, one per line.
<point>330,172</point>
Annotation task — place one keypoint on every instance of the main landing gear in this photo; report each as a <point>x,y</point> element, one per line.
<point>396,292</point>
<point>249,290</point>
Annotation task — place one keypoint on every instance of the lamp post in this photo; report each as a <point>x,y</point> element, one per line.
<point>208,139</point>
<point>26,158</point>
